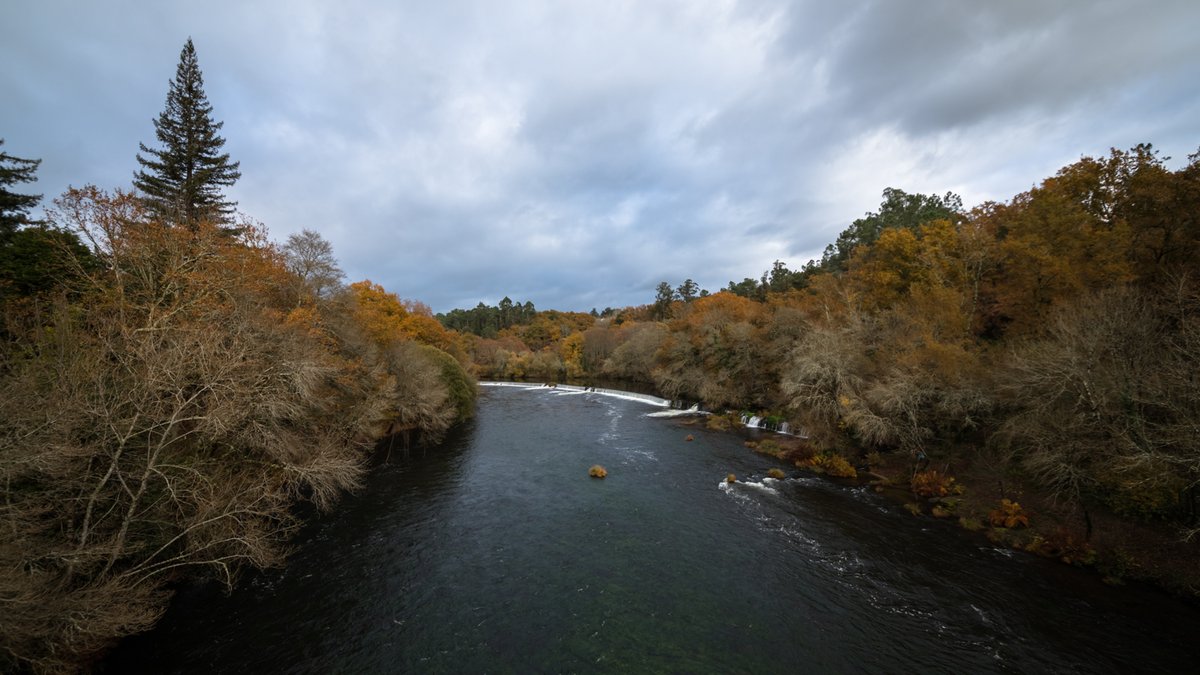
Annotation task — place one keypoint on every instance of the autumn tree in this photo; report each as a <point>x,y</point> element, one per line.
<point>890,357</point>
<point>635,358</point>
<point>716,353</point>
<point>310,257</point>
<point>181,181</point>
<point>391,332</point>
<point>599,341</point>
<point>1056,242</point>
<point>1161,208</point>
<point>898,210</point>
<point>570,351</point>
<point>1105,406</point>
<point>160,421</point>
<point>163,425</point>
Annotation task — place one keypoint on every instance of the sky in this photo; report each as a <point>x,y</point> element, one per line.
<point>576,154</point>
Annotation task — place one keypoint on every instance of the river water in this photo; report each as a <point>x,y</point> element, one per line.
<point>496,553</point>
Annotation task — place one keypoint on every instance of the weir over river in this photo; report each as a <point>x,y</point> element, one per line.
<point>494,552</point>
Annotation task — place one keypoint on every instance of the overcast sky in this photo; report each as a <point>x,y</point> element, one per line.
<point>577,153</point>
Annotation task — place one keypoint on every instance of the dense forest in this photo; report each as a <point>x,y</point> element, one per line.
<point>173,384</point>
<point>1044,351</point>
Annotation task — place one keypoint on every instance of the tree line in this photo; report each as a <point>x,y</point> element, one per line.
<point>488,320</point>
<point>173,383</point>
<point>1047,343</point>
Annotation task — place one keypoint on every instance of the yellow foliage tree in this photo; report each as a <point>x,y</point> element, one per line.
<point>571,353</point>
<point>379,313</point>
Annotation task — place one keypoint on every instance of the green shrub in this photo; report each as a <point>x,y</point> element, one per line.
<point>460,385</point>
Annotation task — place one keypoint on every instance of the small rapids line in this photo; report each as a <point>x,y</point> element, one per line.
<point>576,389</point>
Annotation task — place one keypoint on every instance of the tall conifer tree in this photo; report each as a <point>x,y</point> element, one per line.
<point>14,207</point>
<point>182,182</point>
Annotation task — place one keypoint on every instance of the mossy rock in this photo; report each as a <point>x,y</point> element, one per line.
<point>777,473</point>
<point>731,478</point>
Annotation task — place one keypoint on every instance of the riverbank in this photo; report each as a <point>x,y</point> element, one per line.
<point>1005,512</point>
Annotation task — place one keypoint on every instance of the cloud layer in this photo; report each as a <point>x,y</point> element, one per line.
<point>576,154</point>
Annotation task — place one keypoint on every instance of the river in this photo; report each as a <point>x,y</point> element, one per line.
<point>495,552</point>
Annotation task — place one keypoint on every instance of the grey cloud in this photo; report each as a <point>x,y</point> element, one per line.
<point>575,155</point>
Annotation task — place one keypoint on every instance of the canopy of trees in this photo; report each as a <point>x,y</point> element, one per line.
<point>167,393</point>
<point>160,416</point>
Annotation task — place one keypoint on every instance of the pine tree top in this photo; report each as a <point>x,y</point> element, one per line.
<point>181,181</point>
<point>14,207</point>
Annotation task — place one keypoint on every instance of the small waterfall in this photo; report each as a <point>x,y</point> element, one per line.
<point>576,389</point>
<point>756,422</point>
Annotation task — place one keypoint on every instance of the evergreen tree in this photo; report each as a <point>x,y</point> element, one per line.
<point>688,291</point>
<point>14,208</point>
<point>181,182</point>
<point>899,209</point>
<point>662,301</point>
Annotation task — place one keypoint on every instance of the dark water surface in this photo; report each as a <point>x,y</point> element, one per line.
<point>496,553</point>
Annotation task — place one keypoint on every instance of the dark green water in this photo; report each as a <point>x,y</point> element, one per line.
<point>495,553</point>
